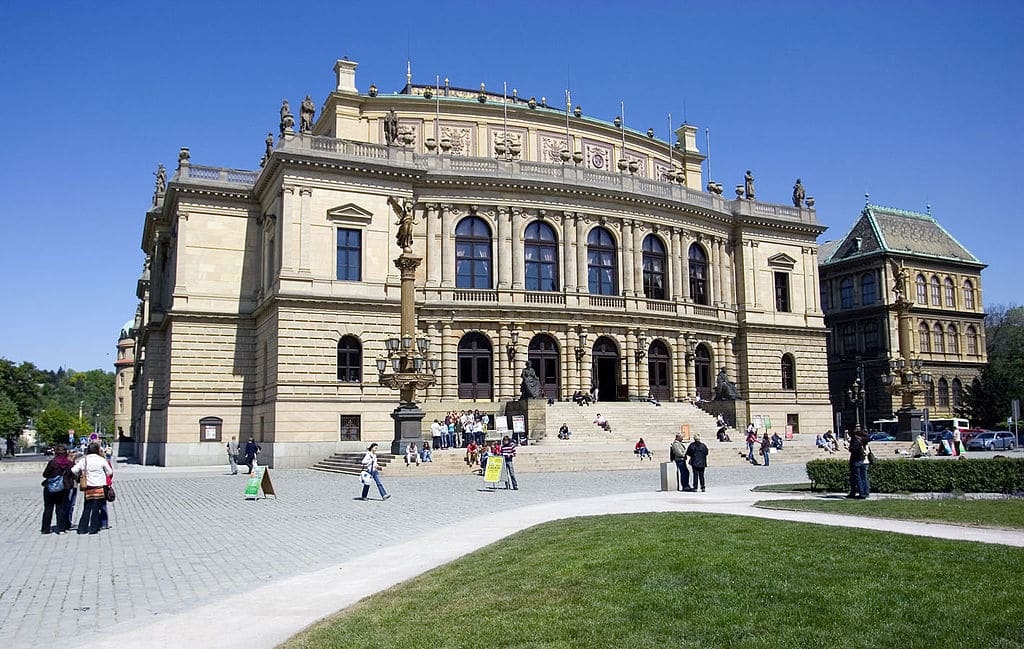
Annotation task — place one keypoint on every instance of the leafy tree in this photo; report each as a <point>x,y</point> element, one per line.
<point>21,384</point>
<point>53,425</point>
<point>10,418</point>
<point>987,403</point>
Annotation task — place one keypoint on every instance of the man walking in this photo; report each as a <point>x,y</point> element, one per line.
<point>751,439</point>
<point>677,453</point>
<point>252,449</point>
<point>232,448</point>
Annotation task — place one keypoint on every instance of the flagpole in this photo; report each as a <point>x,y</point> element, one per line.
<point>707,136</point>
<point>504,120</point>
<point>437,108</point>
<point>671,159</point>
<point>568,107</point>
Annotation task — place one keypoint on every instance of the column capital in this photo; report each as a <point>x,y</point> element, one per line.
<point>305,191</point>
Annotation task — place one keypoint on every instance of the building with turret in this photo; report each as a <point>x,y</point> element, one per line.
<point>124,377</point>
<point>591,251</point>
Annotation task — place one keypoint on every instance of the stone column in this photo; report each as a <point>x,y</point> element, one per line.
<point>447,247</point>
<point>730,275</point>
<point>504,253</point>
<point>305,196</point>
<point>629,289</point>
<point>433,391</point>
<point>730,358</point>
<point>289,230</point>
<point>684,260</point>
<point>566,248</point>
<point>181,242</point>
<point>813,305</point>
<point>681,382</point>
<point>516,243</point>
<point>585,374</point>
<point>629,358</point>
<point>638,258</point>
<point>449,363</point>
<point>502,366</point>
<point>433,247</point>
<point>676,266</point>
<point>582,282</point>
<point>716,265</point>
<point>567,364</point>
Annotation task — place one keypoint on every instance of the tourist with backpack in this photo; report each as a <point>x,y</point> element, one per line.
<point>57,482</point>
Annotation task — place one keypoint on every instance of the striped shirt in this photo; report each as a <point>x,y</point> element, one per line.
<point>508,451</point>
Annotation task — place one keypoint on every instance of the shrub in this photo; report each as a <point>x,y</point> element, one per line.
<point>992,475</point>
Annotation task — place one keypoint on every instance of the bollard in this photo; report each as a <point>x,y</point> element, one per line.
<point>669,477</point>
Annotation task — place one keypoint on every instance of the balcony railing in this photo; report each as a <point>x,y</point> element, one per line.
<point>537,297</point>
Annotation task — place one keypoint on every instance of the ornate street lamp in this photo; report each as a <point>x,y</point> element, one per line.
<point>855,395</point>
<point>510,348</point>
<point>581,350</point>
<point>907,377</point>
<point>641,348</point>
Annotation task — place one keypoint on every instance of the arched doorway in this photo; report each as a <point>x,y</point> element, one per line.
<point>702,371</point>
<point>475,380</point>
<point>543,355</point>
<point>605,369</point>
<point>659,371</point>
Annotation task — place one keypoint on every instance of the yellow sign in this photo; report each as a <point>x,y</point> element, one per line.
<point>494,466</point>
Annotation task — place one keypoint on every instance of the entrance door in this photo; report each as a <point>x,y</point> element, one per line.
<point>702,371</point>
<point>543,354</point>
<point>658,371</point>
<point>605,373</point>
<point>475,367</point>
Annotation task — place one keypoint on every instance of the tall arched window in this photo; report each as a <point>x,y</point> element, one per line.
<point>698,274</point>
<point>929,394</point>
<point>943,400</point>
<point>938,340</point>
<point>950,290</point>
<point>868,289</point>
<point>788,372</point>
<point>936,292</point>
<point>925,338</point>
<point>958,393</point>
<point>952,340</point>
<point>846,293</point>
<point>541,257</point>
<point>472,253</point>
<point>968,294</point>
<point>602,271</point>
<point>654,267</point>
<point>922,290</point>
<point>350,360</point>
<point>972,341</point>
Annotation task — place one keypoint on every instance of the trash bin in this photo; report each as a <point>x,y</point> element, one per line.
<point>669,477</point>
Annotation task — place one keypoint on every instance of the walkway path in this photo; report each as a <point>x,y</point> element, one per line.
<point>188,563</point>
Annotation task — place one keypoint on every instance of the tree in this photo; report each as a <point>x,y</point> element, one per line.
<point>21,384</point>
<point>987,402</point>
<point>53,425</point>
<point>10,418</point>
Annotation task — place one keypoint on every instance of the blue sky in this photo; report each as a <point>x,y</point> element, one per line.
<point>914,102</point>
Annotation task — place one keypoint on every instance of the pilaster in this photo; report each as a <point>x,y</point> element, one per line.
<point>433,247</point>
<point>517,249</point>
<point>675,254</point>
<point>447,247</point>
<point>305,197</point>
<point>628,276</point>
<point>567,249</point>
<point>505,261</point>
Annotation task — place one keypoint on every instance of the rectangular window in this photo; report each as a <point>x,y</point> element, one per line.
<point>350,428</point>
<point>350,253</point>
<point>782,292</point>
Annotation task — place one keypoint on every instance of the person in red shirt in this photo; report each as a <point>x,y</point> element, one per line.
<point>642,450</point>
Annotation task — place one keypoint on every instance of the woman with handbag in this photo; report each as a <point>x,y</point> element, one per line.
<point>92,471</point>
<point>371,473</point>
<point>56,484</point>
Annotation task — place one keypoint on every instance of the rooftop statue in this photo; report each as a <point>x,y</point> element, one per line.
<point>161,182</point>
<point>287,119</point>
<point>748,185</point>
<point>306,112</point>
<point>725,390</point>
<point>391,128</point>
<point>798,193</point>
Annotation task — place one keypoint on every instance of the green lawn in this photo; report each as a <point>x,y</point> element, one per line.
<point>697,580</point>
<point>960,511</point>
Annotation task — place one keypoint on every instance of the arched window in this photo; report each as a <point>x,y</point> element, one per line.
<point>925,338</point>
<point>938,340</point>
<point>654,268</point>
<point>950,291</point>
<point>943,400</point>
<point>936,292</point>
<point>602,273</point>
<point>350,360</point>
<point>958,393</point>
<point>922,290</point>
<point>968,294</point>
<point>826,295</point>
<point>788,372</point>
<point>702,370</point>
<point>475,367</point>
<point>698,274</point>
<point>849,340</point>
<point>868,289</point>
<point>871,337</point>
<point>846,293</point>
<point>952,340</point>
<point>972,341</point>
<point>541,257</point>
<point>472,253</point>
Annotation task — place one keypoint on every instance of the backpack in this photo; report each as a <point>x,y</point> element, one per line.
<point>55,484</point>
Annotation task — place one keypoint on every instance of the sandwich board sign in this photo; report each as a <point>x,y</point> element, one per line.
<point>259,480</point>
<point>495,467</point>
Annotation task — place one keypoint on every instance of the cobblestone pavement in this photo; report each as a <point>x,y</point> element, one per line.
<point>181,538</point>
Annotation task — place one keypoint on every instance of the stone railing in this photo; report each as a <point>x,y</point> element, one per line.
<point>661,305</point>
<point>475,295</point>
<point>541,297</point>
<point>232,176</point>
<point>608,302</point>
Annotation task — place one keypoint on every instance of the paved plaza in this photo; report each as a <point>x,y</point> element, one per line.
<point>189,563</point>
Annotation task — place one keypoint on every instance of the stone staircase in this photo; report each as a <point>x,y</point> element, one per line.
<point>629,421</point>
<point>350,463</point>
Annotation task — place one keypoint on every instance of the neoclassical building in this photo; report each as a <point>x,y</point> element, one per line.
<point>124,374</point>
<point>947,317</point>
<point>580,246</point>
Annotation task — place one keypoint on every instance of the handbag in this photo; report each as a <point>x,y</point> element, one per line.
<point>366,478</point>
<point>55,484</point>
<point>109,493</point>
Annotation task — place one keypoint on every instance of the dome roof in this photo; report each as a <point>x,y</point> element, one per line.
<point>126,329</point>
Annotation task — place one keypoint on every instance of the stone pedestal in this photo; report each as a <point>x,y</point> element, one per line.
<point>408,427</point>
<point>909,424</point>
<point>734,411</point>
<point>533,411</point>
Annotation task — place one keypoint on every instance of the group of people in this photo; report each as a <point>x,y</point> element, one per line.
<point>458,429</point>
<point>581,398</point>
<point>766,445</point>
<point>64,476</point>
<point>247,457</point>
<point>827,442</point>
<point>697,455</point>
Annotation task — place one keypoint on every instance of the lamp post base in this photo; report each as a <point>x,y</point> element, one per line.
<point>909,424</point>
<point>408,427</point>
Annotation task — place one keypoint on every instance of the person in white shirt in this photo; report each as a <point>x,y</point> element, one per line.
<point>371,467</point>
<point>96,469</point>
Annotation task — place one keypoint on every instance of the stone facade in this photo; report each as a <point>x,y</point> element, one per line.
<point>124,378</point>
<point>947,317</point>
<point>269,294</point>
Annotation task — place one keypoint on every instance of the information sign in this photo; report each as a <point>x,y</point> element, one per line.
<point>495,463</point>
<point>259,480</point>
<point>518,424</point>
<point>500,425</point>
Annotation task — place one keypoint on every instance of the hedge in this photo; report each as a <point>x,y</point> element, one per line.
<point>993,475</point>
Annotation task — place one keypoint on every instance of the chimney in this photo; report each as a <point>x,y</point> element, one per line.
<point>346,73</point>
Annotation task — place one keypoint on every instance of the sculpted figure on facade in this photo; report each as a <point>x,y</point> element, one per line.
<point>530,385</point>
<point>798,193</point>
<point>161,182</point>
<point>899,280</point>
<point>404,210</point>
<point>725,390</point>
<point>391,128</point>
<point>287,119</point>
<point>306,112</point>
<point>748,185</point>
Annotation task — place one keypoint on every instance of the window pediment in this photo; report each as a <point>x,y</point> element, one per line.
<point>782,260</point>
<point>350,213</point>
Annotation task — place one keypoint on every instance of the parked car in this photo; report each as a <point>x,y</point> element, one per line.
<point>992,441</point>
<point>881,437</point>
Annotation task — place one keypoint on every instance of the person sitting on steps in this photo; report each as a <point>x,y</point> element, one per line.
<point>642,451</point>
<point>603,423</point>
